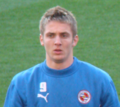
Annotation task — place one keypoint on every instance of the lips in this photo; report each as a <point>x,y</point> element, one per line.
<point>57,51</point>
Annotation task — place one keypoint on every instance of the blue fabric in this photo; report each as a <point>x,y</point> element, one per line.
<point>80,85</point>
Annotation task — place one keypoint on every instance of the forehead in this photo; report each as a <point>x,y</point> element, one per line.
<point>56,26</point>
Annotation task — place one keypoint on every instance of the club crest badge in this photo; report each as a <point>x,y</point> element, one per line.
<point>84,96</point>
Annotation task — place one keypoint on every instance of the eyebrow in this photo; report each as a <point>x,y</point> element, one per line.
<point>54,33</point>
<point>64,33</point>
<point>49,33</point>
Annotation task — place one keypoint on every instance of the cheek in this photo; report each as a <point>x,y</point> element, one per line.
<point>47,45</point>
<point>68,45</point>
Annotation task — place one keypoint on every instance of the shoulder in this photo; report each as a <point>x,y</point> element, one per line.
<point>92,71</point>
<point>26,75</point>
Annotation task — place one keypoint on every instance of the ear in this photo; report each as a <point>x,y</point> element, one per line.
<point>41,40</point>
<point>75,40</point>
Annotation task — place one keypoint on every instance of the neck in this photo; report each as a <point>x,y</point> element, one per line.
<point>58,65</point>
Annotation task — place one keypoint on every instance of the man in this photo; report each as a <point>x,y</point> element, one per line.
<point>61,80</point>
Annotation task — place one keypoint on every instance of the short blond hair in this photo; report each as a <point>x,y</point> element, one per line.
<point>58,14</point>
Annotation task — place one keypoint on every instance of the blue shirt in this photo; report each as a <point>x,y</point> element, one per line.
<point>79,85</point>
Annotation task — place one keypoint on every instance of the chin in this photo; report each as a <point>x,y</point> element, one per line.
<point>59,59</point>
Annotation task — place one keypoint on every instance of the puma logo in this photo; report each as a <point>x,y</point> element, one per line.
<point>44,97</point>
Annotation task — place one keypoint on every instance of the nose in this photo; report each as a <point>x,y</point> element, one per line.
<point>57,40</point>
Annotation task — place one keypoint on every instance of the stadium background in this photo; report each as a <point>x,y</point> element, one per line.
<point>98,30</point>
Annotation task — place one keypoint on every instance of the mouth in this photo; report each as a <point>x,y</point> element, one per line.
<point>57,51</point>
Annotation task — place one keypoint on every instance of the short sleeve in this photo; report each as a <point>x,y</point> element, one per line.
<point>13,98</point>
<point>109,96</point>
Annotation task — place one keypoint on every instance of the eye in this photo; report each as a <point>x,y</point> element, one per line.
<point>64,35</point>
<point>51,35</point>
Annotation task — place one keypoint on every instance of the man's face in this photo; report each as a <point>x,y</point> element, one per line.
<point>58,41</point>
